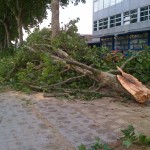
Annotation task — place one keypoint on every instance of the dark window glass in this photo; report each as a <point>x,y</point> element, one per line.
<point>115,20</point>
<point>144,8</point>
<point>95,25</point>
<point>118,24</point>
<point>103,23</point>
<point>130,17</point>
<point>145,13</point>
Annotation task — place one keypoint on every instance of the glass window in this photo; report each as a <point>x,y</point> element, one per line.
<point>130,17</point>
<point>100,24</point>
<point>115,20</point>
<point>107,42</point>
<point>118,1</point>
<point>144,13</point>
<point>101,4</point>
<point>103,23</point>
<point>112,2</point>
<point>138,41</point>
<point>106,3</point>
<point>95,25</point>
<point>96,6</point>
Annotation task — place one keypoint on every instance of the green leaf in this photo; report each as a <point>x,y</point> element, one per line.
<point>106,147</point>
<point>127,143</point>
<point>142,138</point>
<point>82,147</point>
<point>147,141</point>
<point>127,132</point>
<point>131,128</point>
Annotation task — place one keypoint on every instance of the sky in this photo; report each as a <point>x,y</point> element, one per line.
<point>83,11</point>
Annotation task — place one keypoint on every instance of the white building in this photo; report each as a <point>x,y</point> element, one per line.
<point>122,24</point>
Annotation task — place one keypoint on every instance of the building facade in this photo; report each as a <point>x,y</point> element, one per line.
<point>122,24</point>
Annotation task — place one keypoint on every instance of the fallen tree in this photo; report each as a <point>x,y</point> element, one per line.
<point>45,65</point>
<point>121,83</point>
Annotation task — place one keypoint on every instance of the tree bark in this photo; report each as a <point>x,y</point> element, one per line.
<point>20,30</point>
<point>1,44</point>
<point>124,83</point>
<point>5,41</point>
<point>55,18</point>
<point>7,35</point>
<point>140,92</point>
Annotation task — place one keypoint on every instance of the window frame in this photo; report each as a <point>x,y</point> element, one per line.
<point>102,25</point>
<point>95,26</point>
<point>114,22</point>
<point>145,13</point>
<point>130,17</point>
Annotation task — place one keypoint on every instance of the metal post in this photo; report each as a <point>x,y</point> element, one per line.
<point>113,42</point>
<point>138,15</point>
<point>148,38</point>
<point>128,41</point>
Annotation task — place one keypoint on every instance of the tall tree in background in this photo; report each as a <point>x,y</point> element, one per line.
<point>27,13</point>
<point>55,17</point>
<point>55,13</point>
<point>2,37</point>
<point>7,20</point>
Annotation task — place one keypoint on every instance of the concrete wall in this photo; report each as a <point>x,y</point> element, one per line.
<point>120,8</point>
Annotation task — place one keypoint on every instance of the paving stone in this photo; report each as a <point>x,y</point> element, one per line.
<point>52,124</point>
<point>19,132</point>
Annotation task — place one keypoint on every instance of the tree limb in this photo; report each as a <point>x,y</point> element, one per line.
<point>124,64</point>
<point>30,49</point>
<point>59,52</point>
<point>73,62</point>
<point>131,58</point>
<point>68,80</point>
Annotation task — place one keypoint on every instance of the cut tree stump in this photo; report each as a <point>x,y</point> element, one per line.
<point>140,92</point>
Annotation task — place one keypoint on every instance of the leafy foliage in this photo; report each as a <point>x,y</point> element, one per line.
<point>36,67</point>
<point>39,37</point>
<point>131,137</point>
<point>98,145</point>
<point>82,147</point>
<point>140,66</point>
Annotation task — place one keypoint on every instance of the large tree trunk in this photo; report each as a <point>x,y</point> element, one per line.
<point>5,41</point>
<point>20,30</point>
<point>122,83</point>
<point>55,18</point>
<point>134,87</point>
<point>1,44</point>
<point>7,35</point>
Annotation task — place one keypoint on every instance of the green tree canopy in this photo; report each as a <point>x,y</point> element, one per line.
<point>28,13</point>
<point>8,22</point>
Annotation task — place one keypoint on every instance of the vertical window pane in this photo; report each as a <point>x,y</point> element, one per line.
<point>106,3</point>
<point>138,41</point>
<point>144,13</point>
<point>101,4</point>
<point>95,25</point>
<point>130,17</point>
<point>103,23</point>
<point>118,1</point>
<point>95,6</point>
<point>112,2</point>
<point>115,20</point>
